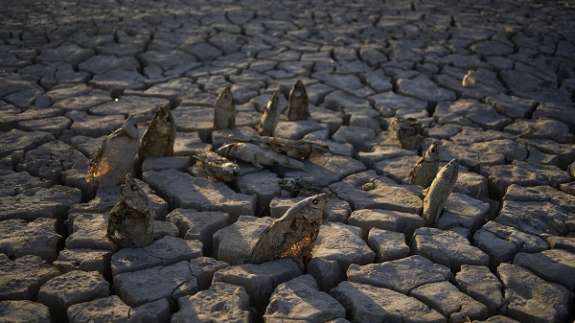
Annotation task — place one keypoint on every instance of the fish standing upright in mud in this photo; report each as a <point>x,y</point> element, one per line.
<point>130,223</point>
<point>225,110</point>
<point>159,138</point>
<point>426,167</point>
<point>298,103</point>
<point>438,193</point>
<point>270,116</point>
<point>257,155</point>
<point>116,156</point>
<point>294,234</point>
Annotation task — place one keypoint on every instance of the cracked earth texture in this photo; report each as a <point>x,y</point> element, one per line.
<point>502,251</point>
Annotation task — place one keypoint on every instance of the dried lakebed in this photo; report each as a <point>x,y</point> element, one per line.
<point>503,249</point>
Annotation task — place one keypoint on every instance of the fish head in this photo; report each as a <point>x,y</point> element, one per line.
<point>273,102</point>
<point>231,170</point>
<point>130,127</point>
<point>451,170</point>
<point>312,208</point>
<point>227,150</point>
<point>133,193</point>
<point>298,90</point>
<point>225,98</point>
<point>432,153</point>
<point>164,119</point>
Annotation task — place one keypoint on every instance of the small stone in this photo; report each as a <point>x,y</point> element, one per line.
<point>300,299</point>
<point>447,248</point>
<point>52,202</point>
<point>71,288</point>
<point>24,312</point>
<point>480,283</point>
<point>259,280</point>
<point>221,303</point>
<point>388,245</point>
<point>376,304</point>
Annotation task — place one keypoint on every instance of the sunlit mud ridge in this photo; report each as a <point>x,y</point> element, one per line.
<point>274,161</point>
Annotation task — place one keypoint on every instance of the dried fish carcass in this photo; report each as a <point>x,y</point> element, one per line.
<point>298,103</point>
<point>258,156</point>
<point>438,193</point>
<point>294,234</point>
<point>116,156</point>
<point>213,165</point>
<point>225,110</point>
<point>270,116</point>
<point>130,222</point>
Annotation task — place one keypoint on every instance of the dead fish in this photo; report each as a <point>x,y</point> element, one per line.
<point>225,110</point>
<point>299,186</point>
<point>468,79</point>
<point>159,138</point>
<point>300,149</point>
<point>130,222</point>
<point>438,193</point>
<point>216,166</point>
<point>405,133</point>
<point>298,103</point>
<point>257,155</point>
<point>115,157</point>
<point>426,167</point>
<point>294,234</point>
<point>270,116</point>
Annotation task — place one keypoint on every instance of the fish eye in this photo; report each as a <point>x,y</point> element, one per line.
<point>315,201</point>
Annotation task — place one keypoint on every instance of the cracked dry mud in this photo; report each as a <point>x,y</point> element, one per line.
<point>492,83</point>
